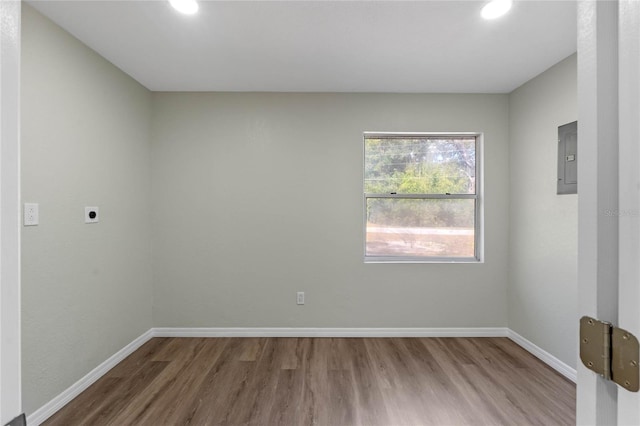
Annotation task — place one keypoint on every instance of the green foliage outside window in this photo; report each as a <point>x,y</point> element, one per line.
<point>420,166</point>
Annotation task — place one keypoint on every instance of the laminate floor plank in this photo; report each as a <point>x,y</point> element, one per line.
<point>110,394</point>
<point>287,402</point>
<point>289,359</point>
<point>145,353</point>
<point>253,347</point>
<point>178,354</point>
<point>473,396</point>
<point>185,387</point>
<point>325,382</point>
<point>436,389</point>
<point>402,394</point>
<point>222,386</point>
<point>341,398</point>
<point>92,399</point>
<point>285,385</point>
<point>254,404</point>
<point>117,402</point>
<point>371,408</point>
<point>550,390</point>
<point>494,396</point>
<point>316,391</point>
<point>493,366</point>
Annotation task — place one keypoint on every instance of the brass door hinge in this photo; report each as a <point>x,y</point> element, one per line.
<point>611,352</point>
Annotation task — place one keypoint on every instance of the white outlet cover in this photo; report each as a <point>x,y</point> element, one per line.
<point>91,214</point>
<point>31,214</point>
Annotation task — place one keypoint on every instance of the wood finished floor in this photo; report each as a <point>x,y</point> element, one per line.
<point>326,381</point>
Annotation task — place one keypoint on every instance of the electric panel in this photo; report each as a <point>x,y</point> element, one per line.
<point>568,158</point>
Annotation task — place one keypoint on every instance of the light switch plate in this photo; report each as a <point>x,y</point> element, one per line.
<point>91,215</point>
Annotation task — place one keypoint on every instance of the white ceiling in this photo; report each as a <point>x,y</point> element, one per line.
<point>323,46</point>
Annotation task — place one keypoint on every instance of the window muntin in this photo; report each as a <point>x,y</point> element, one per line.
<point>421,197</point>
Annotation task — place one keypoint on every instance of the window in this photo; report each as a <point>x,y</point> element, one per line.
<point>421,196</point>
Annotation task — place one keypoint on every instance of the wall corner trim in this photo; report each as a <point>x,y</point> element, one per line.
<point>544,356</point>
<point>50,408</point>
<point>43,413</point>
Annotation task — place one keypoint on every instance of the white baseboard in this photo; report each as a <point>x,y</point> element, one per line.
<point>329,332</point>
<point>47,410</point>
<point>544,356</point>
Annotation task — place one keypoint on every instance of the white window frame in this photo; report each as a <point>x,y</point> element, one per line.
<point>478,197</point>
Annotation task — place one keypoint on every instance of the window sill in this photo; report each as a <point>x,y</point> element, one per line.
<point>380,259</point>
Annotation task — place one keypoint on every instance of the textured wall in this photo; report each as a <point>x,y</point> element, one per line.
<point>86,289</point>
<point>544,226</point>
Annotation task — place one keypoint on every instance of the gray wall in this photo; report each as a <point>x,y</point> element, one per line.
<point>257,196</point>
<point>543,241</point>
<point>86,289</point>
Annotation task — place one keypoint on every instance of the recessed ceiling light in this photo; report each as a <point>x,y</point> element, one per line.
<point>496,8</point>
<point>188,7</point>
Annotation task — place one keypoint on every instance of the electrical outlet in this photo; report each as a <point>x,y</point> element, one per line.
<point>31,214</point>
<point>91,215</point>
<point>300,298</point>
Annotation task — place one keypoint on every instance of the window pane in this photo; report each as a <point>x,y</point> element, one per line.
<point>420,165</point>
<point>419,227</point>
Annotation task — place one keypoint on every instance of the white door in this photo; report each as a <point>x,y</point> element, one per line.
<point>609,190</point>
<point>10,405</point>
<point>10,398</point>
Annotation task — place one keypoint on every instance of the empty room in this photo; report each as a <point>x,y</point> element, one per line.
<point>320,212</point>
